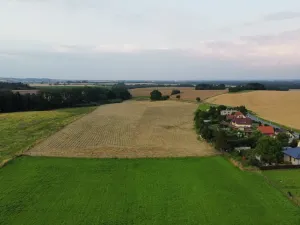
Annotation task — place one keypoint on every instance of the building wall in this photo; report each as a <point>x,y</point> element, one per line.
<point>292,160</point>
<point>227,112</point>
<point>241,125</point>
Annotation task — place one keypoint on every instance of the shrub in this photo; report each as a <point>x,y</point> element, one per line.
<point>198,99</point>
<point>175,92</point>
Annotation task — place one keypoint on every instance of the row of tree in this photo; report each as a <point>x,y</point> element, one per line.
<point>61,98</point>
<point>247,87</point>
<point>5,86</point>
<point>210,87</point>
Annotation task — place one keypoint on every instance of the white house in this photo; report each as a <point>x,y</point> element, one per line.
<point>227,112</point>
<point>292,155</point>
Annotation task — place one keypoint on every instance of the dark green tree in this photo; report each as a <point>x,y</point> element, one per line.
<point>269,149</point>
<point>155,95</point>
<point>284,139</point>
<point>221,141</point>
<point>294,143</point>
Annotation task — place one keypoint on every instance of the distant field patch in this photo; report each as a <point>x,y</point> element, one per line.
<point>19,131</point>
<point>189,191</point>
<point>131,129</point>
<point>187,93</point>
<point>279,106</point>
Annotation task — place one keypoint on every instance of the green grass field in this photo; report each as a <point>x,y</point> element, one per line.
<point>19,131</point>
<point>138,191</point>
<point>286,180</point>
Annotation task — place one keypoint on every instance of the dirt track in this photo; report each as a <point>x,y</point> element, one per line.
<point>130,129</point>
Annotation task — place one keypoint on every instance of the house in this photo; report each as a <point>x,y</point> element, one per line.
<point>292,155</point>
<point>241,122</point>
<point>266,130</point>
<point>227,112</point>
<point>239,115</point>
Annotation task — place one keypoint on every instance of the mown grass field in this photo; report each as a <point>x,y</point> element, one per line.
<point>186,191</point>
<point>287,181</point>
<point>19,131</point>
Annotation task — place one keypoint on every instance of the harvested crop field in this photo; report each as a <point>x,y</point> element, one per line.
<point>131,129</point>
<point>279,106</point>
<point>189,191</point>
<point>187,93</point>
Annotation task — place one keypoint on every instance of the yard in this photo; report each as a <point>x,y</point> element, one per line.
<point>37,190</point>
<point>21,130</point>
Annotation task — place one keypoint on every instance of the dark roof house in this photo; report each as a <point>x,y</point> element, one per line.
<point>242,121</point>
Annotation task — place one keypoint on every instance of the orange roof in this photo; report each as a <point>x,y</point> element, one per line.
<point>266,129</point>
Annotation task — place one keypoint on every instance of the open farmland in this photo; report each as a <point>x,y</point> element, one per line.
<point>21,130</point>
<point>187,93</point>
<point>130,129</point>
<point>187,191</point>
<point>279,106</point>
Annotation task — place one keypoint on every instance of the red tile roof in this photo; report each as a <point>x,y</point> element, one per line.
<point>266,130</point>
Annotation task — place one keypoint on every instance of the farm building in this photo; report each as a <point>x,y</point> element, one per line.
<point>266,130</point>
<point>241,123</point>
<point>237,114</point>
<point>292,155</point>
<point>227,112</point>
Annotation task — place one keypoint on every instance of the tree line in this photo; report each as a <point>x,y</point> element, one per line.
<point>210,87</point>
<point>62,97</point>
<point>5,86</point>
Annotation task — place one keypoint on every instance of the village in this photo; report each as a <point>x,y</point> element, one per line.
<point>236,130</point>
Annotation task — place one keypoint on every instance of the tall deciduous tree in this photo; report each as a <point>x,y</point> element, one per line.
<point>284,139</point>
<point>155,95</point>
<point>269,150</point>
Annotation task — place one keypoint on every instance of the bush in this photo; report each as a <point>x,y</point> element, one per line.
<point>175,92</point>
<point>198,99</point>
<point>178,97</point>
<point>165,97</point>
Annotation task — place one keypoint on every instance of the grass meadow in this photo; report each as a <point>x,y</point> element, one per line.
<point>21,130</point>
<point>37,190</point>
<point>287,181</point>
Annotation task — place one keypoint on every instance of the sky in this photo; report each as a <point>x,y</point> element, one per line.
<point>150,40</point>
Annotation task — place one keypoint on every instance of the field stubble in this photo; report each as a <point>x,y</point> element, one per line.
<point>279,106</point>
<point>129,130</point>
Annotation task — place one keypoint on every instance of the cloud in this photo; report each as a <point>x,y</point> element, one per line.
<point>281,16</point>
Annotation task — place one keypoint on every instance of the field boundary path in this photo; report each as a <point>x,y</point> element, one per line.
<point>129,130</point>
